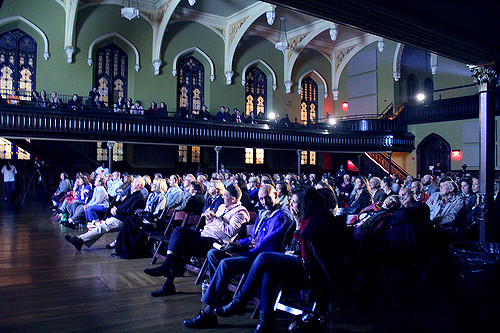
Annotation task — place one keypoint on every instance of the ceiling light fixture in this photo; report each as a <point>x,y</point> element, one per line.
<point>270,16</point>
<point>334,32</point>
<point>129,11</point>
<point>282,43</point>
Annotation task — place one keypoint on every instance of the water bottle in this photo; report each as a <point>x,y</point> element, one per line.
<point>204,287</point>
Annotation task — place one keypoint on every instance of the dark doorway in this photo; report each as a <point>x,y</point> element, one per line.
<point>431,151</point>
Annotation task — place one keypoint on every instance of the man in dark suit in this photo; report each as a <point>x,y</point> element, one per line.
<point>119,213</point>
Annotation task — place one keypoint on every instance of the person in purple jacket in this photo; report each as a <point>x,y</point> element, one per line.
<point>268,235</point>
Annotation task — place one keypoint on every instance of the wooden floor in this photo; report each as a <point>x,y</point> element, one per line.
<point>48,286</point>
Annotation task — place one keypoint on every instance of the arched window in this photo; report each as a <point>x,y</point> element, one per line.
<point>17,63</point>
<point>111,77</point>
<point>412,88</point>
<point>190,83</point>
<point>429,90</point>
<point>308,101</point>
<point>432,150</point>
<point>255,92</point>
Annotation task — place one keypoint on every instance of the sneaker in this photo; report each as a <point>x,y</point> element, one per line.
<point>202,320</point>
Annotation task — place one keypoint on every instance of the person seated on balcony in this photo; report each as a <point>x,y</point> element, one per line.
<point>96,102</point>
<point>196,201</point>
<point>378,195</point>
<point>419,194</point>
<point>221,227</point>
<point>35,97</point>
<point>312,268</point>
<point>137,108</point>
<point>119,213</point>
<point>359,200</point>
<point>268,235</point>
<point>237,117</point>
<point>14,99</point>
<point>153,109</point>
<point>251,119</point>
<point>75,103</point>
<point>223,115</point>
<point>43,101</point>
<point>55,101</point>
<point>93,93</point>
<point>428,185</point>
<point>131,239</point>
<point>204,113</point>
<point>284,191</point>
<point>119,106</point>
<point>63,187</point>
<point>215,192</point>
<point>128,105</point>
<point>162,110</point>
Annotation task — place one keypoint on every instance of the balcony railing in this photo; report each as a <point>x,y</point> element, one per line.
<point>30,122</point>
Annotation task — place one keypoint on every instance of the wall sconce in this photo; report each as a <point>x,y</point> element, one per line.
<point>270,16</point>
<point>345,106</point>
<point>334,32</point>
<point>381,46</point>
<point>192,2</point>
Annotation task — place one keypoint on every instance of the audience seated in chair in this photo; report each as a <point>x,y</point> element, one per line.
<point>267,235</point>
<point>220,227</point>
<point>119,213</point>
<point>131,239</point>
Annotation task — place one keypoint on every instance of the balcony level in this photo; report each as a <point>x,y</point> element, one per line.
<point>371,135</point>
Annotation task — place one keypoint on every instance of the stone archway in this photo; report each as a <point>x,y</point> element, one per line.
<point>432,150</point>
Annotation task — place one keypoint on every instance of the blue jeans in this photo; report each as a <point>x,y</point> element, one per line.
<point>9,189</point>
<point>92,211</point>
<point>222,268</point>
<point>270,270</point>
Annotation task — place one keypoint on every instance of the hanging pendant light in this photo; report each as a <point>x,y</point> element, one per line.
<point>282,43</point>
<point>129,11</point>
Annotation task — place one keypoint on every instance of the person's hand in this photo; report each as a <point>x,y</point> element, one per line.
<point>113,211</point>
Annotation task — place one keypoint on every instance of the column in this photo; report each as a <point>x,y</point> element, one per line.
<point>299,158</point>
<point>217,151</point>
<point>111,144</point>
<point>484,76</point>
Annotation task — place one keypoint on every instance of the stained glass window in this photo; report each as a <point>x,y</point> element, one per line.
<point>102,151</point>
<point>111,77</point>
<point>6,150</point>
<point>308,101</point>
<point>308,157</point>
<point>190,85</point>
<point>195,154</point>
<point>17,63</point>
<point>248,155</point>
<point>312,157</point>
<point>255,92</point>
<point>183,154</point>
<point>259,156</point>
<point>303,157</point>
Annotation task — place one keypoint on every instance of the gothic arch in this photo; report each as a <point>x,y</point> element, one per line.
<point>203,54</point>
<point>111,36</point>
<point>18,18</point>
<point>259,61</point>
<point>308,73</point>
<point>396,62</point>
<point>431,150</point>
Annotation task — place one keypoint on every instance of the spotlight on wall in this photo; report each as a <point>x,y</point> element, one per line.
<point>332,121</point>
<point>272,115</point>
<point>420,97</point>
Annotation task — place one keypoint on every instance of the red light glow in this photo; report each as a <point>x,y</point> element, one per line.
<point>345,106</point>
<point>456,154</point>
<point>351,166</point>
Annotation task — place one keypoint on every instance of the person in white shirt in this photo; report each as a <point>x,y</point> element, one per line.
<point>9,172</point>
<point>114,184</point>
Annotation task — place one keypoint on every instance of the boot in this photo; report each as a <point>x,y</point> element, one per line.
<point>237,306</point>
<point>266,322</point>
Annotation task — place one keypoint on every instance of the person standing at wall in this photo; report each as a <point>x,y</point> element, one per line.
<point>9,172</point>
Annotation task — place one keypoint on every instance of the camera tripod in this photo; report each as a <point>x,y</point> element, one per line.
<point>36,172</point>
